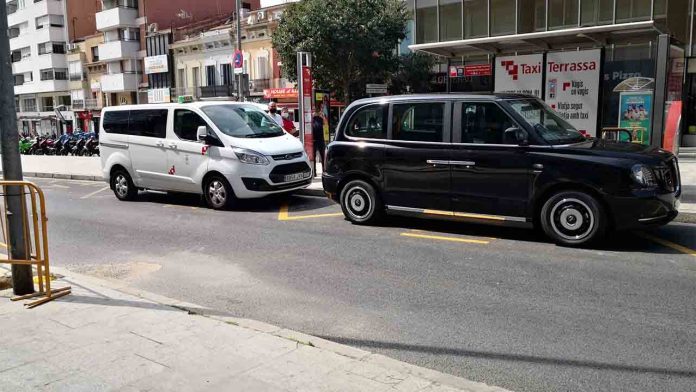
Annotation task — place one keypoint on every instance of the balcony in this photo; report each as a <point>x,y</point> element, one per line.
<point>41,86</point>
<point>113,83</point>
<point>118,17</point>
<point>217,92</point>
<point>119,50</point>
<point>32,9</point>
<point>50,60</point>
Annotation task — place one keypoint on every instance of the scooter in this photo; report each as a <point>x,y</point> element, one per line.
<point>91,147</point>
<point>24,145</point>
<point>78,148</point>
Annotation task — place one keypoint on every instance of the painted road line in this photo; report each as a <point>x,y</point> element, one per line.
<point>283,215</point>
<point>669,244</point>
<point>443,238</point>
<point>87,196</point>
<point>423,231</point>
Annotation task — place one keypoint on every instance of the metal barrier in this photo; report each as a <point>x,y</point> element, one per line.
<point>35,229</point>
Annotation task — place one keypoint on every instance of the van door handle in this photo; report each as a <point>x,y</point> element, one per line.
<point>172,146</point>
<point>159,144</point>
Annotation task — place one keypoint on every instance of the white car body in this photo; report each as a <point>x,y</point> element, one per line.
<point>173,164</point>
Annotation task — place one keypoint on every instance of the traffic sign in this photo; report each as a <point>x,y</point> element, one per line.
<point>238,61</point>
<point>376,88</point>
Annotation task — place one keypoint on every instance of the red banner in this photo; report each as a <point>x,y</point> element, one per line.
<point>280,93</point>
<point>308,110</point>
<point>458,71</point>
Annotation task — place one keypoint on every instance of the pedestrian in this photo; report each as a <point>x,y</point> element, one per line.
<point>273,111</point>
<point>288,125</point>
<point>318,134</point>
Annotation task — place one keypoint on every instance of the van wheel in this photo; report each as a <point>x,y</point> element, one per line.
<point>360,203</point>
<point>123,186</point>
<point>218,193</point>
<point>573,218</point>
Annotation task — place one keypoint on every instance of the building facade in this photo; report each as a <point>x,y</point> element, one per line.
<point>637,51</point>
<point>38,31</point>
<point>85,72</point>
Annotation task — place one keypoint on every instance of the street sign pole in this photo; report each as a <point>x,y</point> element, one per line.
<point>22,282</point>
<point>240,76</point>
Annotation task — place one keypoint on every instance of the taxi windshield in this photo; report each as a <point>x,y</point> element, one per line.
<point>245,121</point>
<point>546,122</point>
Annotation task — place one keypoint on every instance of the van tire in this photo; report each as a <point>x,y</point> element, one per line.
<point>123,186</point>
<point>361,204</point>
<point>573,218</point>
<point>218,193</point>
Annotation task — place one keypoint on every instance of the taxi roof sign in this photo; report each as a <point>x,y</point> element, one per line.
<point>185,99</point>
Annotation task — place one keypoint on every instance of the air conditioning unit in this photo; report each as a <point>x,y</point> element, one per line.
<point>251,20</point>
<point>261,15</point>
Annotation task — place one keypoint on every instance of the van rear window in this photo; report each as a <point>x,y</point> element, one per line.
<point>150,123</point>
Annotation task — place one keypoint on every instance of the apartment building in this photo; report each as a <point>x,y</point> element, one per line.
<point>124,24</point>
<point>84,73</point>
<point>39,35</point>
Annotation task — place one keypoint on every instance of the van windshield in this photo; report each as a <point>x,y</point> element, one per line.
<point>546,122</point>
<point>246,121</point>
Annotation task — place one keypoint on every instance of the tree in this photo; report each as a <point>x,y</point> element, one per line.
<point>352,41</point>
<point>414,74</point>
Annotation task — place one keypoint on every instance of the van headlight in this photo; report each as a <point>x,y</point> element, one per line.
<point>644,176</point>
<point>250,157</point>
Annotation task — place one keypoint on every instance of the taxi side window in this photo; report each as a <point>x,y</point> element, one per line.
<point>484,123</point>
<point>186,123</point>
<point>369,122</point>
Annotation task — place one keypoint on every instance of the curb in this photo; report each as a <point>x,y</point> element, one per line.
<point>297,337</point>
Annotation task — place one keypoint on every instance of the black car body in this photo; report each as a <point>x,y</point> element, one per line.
<point>495,158</point>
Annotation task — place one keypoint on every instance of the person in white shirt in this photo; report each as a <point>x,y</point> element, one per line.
<point>273,111</point>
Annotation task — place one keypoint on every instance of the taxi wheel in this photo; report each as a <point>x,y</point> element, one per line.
<point>360,203</point>
<point>218,193</point>
<point>123,186</point>
<point>573,218</point>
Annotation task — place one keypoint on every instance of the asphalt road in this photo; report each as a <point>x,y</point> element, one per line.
<point>496,305</point>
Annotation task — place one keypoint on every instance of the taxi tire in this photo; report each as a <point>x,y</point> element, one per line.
<point>119,180</point>
<point>573,218</point>
<point>213,202</point>
<point>357,196</point>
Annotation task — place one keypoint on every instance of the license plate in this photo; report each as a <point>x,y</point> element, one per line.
<point>296,176</point>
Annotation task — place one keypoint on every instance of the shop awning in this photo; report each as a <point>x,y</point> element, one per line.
<point>543,40</point>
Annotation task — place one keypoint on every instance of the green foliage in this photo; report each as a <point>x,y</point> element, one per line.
<point>414,74</point>
<point>353,42</point>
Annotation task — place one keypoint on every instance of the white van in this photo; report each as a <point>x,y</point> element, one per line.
<point>223,150</point>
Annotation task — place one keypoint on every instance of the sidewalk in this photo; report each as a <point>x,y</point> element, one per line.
<point>105,336</point>
<point>88,168</point>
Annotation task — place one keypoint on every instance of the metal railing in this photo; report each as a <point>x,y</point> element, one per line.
<point>34,244</point>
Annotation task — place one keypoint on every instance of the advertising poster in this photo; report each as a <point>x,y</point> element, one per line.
<point>156,64</point>
<point>635,114</point>
<point>323,102</point>
<point>572,87</point>
<point>519,74</point>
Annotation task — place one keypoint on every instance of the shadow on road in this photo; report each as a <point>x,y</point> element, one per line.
<point>373,344</point>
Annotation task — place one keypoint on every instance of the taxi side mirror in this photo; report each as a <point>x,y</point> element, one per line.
<point>202,133</point>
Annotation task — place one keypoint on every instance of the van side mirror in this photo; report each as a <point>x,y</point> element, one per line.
<point>514,135</point>
<point>202,133</point>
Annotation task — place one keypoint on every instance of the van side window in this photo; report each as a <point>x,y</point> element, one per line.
<point>421,122</point>
<point>116,122</point>
<point>369,122</point>
<point>150,123</point>
<point>186,124</point>
<point>484,123</point>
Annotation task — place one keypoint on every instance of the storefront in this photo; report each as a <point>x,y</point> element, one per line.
<point>600,63</point>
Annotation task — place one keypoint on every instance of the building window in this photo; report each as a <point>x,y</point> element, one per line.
<point>426,21</point>
<point>129,34</point>
<point>54,74</point>
<point>18,79</point>
<point>29,104</point>
<point>52,47</point>
<point>563,14</point>
<point>210,75</point>
<point>196,76</point>
<point>75,70</point>
<point>475,18</point>
<point>596,12</point>
<point>503,15</point>
<point>181,79</point>
<point>632,10</point>
<point>49,20</point>
<point>47,104</point>
<point>227,75</point>
<point>531,16</point>
<point>95,53</point>
<point>450,20</point>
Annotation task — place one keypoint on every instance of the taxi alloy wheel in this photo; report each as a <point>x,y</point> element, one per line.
<point>573,218</point>
<point>360,203</point>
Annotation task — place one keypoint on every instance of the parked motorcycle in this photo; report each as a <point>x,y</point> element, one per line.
<point>25,144</point>
<point>91,147</point>
<point>78,147</point>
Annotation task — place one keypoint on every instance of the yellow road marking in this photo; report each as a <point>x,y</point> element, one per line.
<point>442,238</point>
<point>283,215</point>
<point>178,206</point>
<point>87,196</point>
<point>669,244</point>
